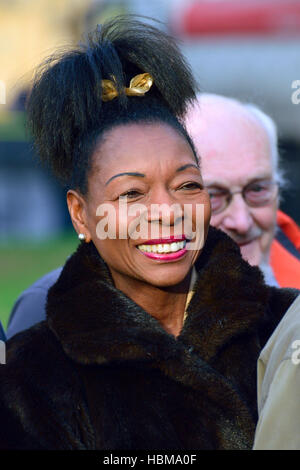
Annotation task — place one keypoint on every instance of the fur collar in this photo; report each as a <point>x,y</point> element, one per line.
<point>96,323</point>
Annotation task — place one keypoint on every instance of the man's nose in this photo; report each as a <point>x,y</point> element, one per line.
<point>237,216</point>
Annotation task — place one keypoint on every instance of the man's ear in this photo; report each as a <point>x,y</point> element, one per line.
<point>77,210</point>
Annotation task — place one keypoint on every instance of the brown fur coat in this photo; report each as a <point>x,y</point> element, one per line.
<point>100,373</point>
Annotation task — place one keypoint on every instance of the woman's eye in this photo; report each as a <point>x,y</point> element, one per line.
<point>130,194</point>
<point>191,186</point>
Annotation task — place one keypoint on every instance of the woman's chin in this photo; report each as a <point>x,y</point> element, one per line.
<point>165,272</point>
<point>168,276</point>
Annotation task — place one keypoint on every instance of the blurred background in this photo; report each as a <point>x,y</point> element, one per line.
<point>247,49</point>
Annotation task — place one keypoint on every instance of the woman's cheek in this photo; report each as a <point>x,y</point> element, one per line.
<point>197,216</point>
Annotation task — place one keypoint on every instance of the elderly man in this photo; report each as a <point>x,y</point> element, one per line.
<point>237,144</point>
<point>240,167</point>
<point>238,148</point>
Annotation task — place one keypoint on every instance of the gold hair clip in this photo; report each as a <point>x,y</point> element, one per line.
<point>139,85</point>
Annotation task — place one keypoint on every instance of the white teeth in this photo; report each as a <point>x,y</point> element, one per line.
<point>163,248</point>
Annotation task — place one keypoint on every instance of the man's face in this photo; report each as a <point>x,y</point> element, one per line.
<point>235,151</point>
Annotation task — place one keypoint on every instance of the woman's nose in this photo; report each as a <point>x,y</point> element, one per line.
<point>163,208</point>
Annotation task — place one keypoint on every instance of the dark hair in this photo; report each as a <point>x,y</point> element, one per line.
<point>66,114</point>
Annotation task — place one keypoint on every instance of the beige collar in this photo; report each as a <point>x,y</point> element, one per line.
<point>191,291</point>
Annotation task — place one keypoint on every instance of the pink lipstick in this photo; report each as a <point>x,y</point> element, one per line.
<point>164,249</point>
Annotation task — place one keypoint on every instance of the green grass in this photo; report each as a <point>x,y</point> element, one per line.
<point>23,263</point>
<point>13,126</point>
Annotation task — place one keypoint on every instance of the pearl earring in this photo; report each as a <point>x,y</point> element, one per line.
<point>81,236</point>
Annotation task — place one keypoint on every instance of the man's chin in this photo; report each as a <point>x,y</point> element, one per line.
<point>250,252</point>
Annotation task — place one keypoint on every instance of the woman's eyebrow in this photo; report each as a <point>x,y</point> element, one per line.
<point>182,168</point>
<point>130,173</point>
<point>127,173</point>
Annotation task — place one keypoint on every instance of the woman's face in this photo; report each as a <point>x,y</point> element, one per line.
<point>135,169</point>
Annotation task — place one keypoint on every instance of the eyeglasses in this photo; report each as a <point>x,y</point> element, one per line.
<point>255,194</point>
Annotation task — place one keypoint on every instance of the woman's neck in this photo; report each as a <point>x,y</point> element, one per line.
<point>169,305</point>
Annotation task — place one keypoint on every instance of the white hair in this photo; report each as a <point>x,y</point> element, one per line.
<point>265,121</point>
<point>271,129</point>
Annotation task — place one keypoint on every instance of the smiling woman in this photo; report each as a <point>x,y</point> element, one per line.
<point>160,171</point>
<point>143,345</point>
